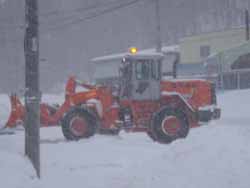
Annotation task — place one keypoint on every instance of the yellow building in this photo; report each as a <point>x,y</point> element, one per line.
<point>195,49</point>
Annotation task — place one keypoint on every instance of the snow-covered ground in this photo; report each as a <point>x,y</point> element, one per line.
<point>216,155</point>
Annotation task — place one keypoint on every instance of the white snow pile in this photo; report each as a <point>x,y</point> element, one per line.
<point>5,109</point>
<point>215,155</point>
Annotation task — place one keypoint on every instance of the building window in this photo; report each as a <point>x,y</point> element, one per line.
<point>204,51</point>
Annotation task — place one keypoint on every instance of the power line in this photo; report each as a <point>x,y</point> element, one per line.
<point>91,7</point>
<point>97,14</point>
<point>74,12</point>
<point>59,12</point>
<point>88,17</point>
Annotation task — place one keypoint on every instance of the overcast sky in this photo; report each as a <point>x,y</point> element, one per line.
<point>67,43</point>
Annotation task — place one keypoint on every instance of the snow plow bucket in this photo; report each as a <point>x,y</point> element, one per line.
<point>17,113</point>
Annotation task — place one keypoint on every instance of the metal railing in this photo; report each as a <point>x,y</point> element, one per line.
<point>230,80</point>
<point>235,79</point>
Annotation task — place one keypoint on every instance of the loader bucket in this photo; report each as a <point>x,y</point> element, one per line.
<point>17,113</point>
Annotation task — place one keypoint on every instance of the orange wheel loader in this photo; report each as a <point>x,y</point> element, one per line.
<point>142,101</point>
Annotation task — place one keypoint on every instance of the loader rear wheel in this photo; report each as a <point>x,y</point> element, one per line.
<point>168,125</point>
<point>79,123</point>
<point>151,135</point>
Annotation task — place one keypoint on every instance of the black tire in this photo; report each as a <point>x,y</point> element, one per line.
<point>91,124</point>
<point>151,135</point>
<point>157,132</point>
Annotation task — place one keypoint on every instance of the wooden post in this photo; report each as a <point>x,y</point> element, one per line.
<point>247,24</point>
<point>32,91</point>
<point>158,27</point>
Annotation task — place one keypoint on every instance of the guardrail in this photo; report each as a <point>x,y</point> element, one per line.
<point>235,79</point>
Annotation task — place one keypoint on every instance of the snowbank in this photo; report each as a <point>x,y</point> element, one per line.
<point>215,155</point>
<point>5,109</point>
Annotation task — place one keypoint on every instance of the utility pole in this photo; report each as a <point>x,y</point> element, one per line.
<point>247,24</point>
<point>32,91</point>
<point>158,26</point>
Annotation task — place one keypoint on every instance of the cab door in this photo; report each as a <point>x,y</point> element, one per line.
<point>146,80</point>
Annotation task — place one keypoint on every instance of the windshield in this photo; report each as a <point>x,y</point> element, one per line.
<point>146,69</point>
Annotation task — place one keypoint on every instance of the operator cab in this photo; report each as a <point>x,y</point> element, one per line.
<point>140,76</point>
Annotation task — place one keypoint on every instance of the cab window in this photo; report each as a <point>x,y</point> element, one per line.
<point>155,70</point>
<point>143,70</point>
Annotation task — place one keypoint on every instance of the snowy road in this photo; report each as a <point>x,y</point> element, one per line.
<point>215,156</point>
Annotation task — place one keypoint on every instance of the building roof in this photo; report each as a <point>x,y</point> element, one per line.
<point>148,53</point>
<point>214,32</point>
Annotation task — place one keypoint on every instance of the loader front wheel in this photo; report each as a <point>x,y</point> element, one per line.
<point>78,124</point>
<point>168,125</point>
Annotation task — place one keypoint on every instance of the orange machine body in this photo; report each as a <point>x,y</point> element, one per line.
<point>196,94</point>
